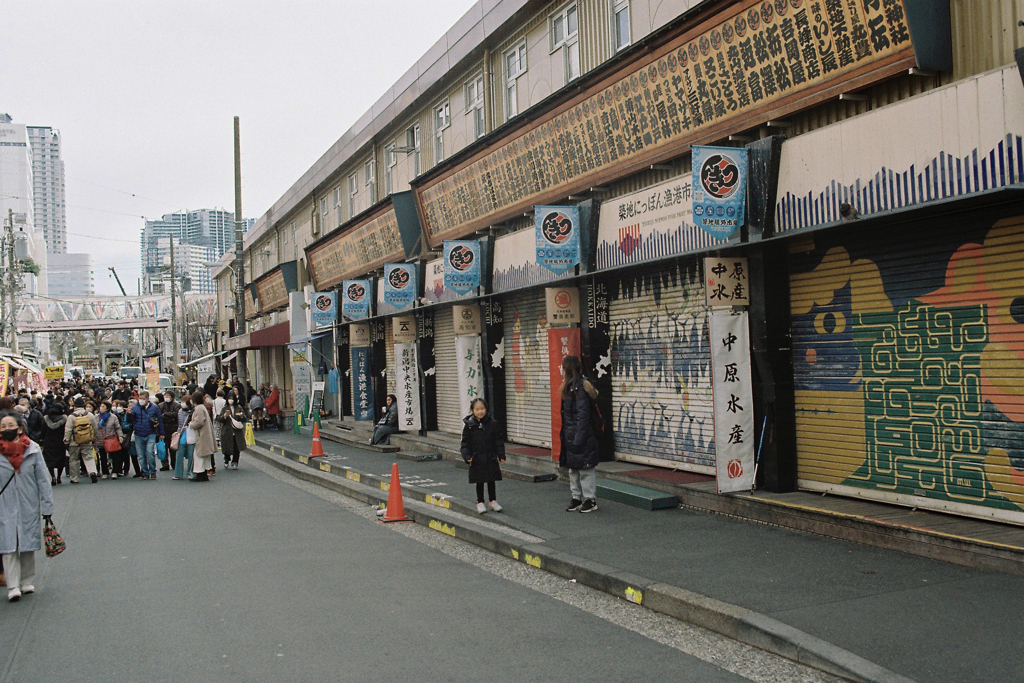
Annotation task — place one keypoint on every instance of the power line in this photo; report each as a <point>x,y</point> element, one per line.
<point>106,187</point>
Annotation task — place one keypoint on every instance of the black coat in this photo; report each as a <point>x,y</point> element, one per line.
<point>482,443</point>
<point>578,439</point>
<point>54,451</point>
<point>232,440</point>
<point>36,428</point>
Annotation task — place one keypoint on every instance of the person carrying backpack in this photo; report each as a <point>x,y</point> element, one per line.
<point>579,446</point>
<point>79,435</point>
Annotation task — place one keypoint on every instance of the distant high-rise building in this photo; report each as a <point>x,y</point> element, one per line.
<point>189,262</point>
<point>71,275</point>
<point>211,229</point>
<point>48,187</point>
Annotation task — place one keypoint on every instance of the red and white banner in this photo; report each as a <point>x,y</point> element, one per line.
<point>562,342</point>
<point>734,404</point>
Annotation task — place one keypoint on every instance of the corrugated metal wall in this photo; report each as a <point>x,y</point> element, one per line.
<point>446,367</point>
<point>527,382</point>
<point>985,34</point>
<point>595,33</point>
<point>908,351</point>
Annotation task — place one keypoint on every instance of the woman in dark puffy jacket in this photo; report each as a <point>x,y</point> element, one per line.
<point>579,447</point>
<point>484,450</point>
<point>55,453</point>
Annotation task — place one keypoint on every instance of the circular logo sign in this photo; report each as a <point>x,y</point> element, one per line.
<point>399,278</point>
<point>719,176</point>
<point>556,228</point>
<point>356,292</point>
<point>563,299</point>
<point>460,258</point>
<point>735,469</point>
<point>467,314</point>
<point>324,302</point>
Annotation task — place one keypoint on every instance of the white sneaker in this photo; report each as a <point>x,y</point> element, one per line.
<point>26,590</point>
<point>113,476</point>
<point>13,595</point>
<point>481,508</point>
<point>495,506</point>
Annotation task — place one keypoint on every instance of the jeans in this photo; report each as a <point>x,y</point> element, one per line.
<point>583,484</point>
<point>145,446</point>
<point>183,464</point>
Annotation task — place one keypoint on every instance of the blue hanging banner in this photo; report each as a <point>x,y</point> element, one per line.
<point>355,299</point>
<point>324,310</point>
<point>558,237</point>
<point>461,265</point>
<point>719,189</point>
<point>399,284</point>
<point>362,386</point>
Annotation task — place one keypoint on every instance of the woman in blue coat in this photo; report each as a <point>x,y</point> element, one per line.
<point>26,496</point>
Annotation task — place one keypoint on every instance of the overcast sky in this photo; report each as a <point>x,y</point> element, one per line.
<point>144,92</point>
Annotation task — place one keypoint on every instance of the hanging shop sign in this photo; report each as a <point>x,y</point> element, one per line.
<point>325,308</point>
<point>152,374</point>
<point>733,398</point>
<point>362,386</point>
<point>400,285</point>
<point>467,319</point>
<point>403,328</point>
<point>755,60</point>
<point>906,154</point>
<point>727,281</point>
<point>433,285</point>
<point>354,250</point>
<point>359,334</point>
<point>462,265</point>
<point>5,375</point>
<point>272,288</point>
<point>54,372</point>
<point>299,357</point>
<point>470,368</point>
<point>563,305</point>
<point>562,342</point>
<point>407,385</point>
<point>355,301</point>
<point>719,189</point>
<point>557,235</point>
<point>516,264</point>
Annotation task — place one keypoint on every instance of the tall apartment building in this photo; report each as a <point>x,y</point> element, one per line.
<point>71,275</point>
<point>209,230</point>
<point>48,187</point>
<point>189,262</point>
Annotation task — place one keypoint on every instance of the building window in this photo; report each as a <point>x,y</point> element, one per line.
<point>371,180</point>
<point>620,24</point>
<point>475,104</point>
<point>565,36</point>
<point>442,119</point>
<point>515,66</point>
<point>336,196</point>
<point>390,161</point>
<point>353,190</point>
<point>412,141</point>
<point>323,214</point>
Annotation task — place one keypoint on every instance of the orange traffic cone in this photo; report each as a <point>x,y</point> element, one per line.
<point>318,447</point>
<point>396,507</point>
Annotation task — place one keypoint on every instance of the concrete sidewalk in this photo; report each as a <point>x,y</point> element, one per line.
<point>924,619</point>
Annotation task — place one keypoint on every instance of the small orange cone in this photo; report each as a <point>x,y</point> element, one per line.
<point>396,507</point>
<point>318,447</point>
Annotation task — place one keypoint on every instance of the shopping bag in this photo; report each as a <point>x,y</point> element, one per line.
<point>161,451</point>
<point>250,437</point>
<point>54,543</point>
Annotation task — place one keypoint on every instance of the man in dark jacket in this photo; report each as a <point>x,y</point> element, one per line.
<point>169,411</point>
<point>34,419</point>
<point>149,425</point>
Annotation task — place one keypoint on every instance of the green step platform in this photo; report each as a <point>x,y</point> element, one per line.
<point>637,496</point>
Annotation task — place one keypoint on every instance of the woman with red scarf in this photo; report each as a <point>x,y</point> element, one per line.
<point>26,494</point>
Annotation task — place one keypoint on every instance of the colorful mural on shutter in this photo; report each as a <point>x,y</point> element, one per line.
<point>909,366</point>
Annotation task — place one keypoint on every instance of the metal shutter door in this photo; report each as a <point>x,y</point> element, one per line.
<point>389,356</point>
<point>908,358</point>
<point>661,369</point>
<point>527,383</point>
<point>447,372</point>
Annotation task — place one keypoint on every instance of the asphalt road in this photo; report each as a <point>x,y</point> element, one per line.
<point>252,577</point>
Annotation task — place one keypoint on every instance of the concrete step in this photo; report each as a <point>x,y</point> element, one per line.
<point>532,475</point>
<point>354,439</point>
<point>637,496</point>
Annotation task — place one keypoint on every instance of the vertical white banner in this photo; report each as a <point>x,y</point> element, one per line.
<point>734,405</point>
<point>471,372</point>
<point>407,386</point>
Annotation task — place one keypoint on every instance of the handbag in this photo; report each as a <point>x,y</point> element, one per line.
<point>190,436</point>
<point>54,543</point>
<point>111,444</point>
<point>175,438</point>
<point>235,424</point>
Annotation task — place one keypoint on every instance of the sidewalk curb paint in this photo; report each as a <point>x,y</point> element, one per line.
<point>730,620</point>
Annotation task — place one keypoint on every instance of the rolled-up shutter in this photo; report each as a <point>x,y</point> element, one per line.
<point>527,382</point>
<point>908,363</point>
<point>662,405</point>
<point>448,417</point>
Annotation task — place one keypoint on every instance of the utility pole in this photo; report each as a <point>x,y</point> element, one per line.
<point>174,318</point>
<point>239,266</point>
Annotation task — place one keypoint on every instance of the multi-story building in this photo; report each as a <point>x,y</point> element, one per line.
<point>48,187</point>
<point>879,244</point>
<point>71,275</point>
<point>190,261</point>
<point>211,230</point>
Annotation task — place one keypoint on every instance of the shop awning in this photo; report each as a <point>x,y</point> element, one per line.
<point>275,335</point>
<point>310,338</point>
<point>205,358</point>
<point>228,359</point>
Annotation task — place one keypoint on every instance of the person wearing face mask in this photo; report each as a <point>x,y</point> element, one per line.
<point>79,434</point>
<point>232,429</point>
<point>33,418</point>
<point>205,446</point>
<point>109,429</point>
<point>25,496</point>
<point>169,410</point>
<point>149,426</point>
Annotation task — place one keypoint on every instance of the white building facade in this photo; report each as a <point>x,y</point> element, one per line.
<point>48,205</point>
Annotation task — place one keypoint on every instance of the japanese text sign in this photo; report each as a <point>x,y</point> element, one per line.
<point>356,296</point>
<point>462,265</point>
<point>54,372</point>
<point>726,281</point>
<point>403,327</point>
<point>471,373</point>
<point>407,386</point>
<point>324,310</point>
<point>359,334</point>
<point>733,398</point>
<point>362,386</point>
<point>719,189</point>
<point>467,319</point>
<point>563,305</point>
<point>561,343</point>
<point>400,285</point>
<point>558,237</point>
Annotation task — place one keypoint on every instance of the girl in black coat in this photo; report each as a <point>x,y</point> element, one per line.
<point>484,450</point>
<point>579,446</point>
